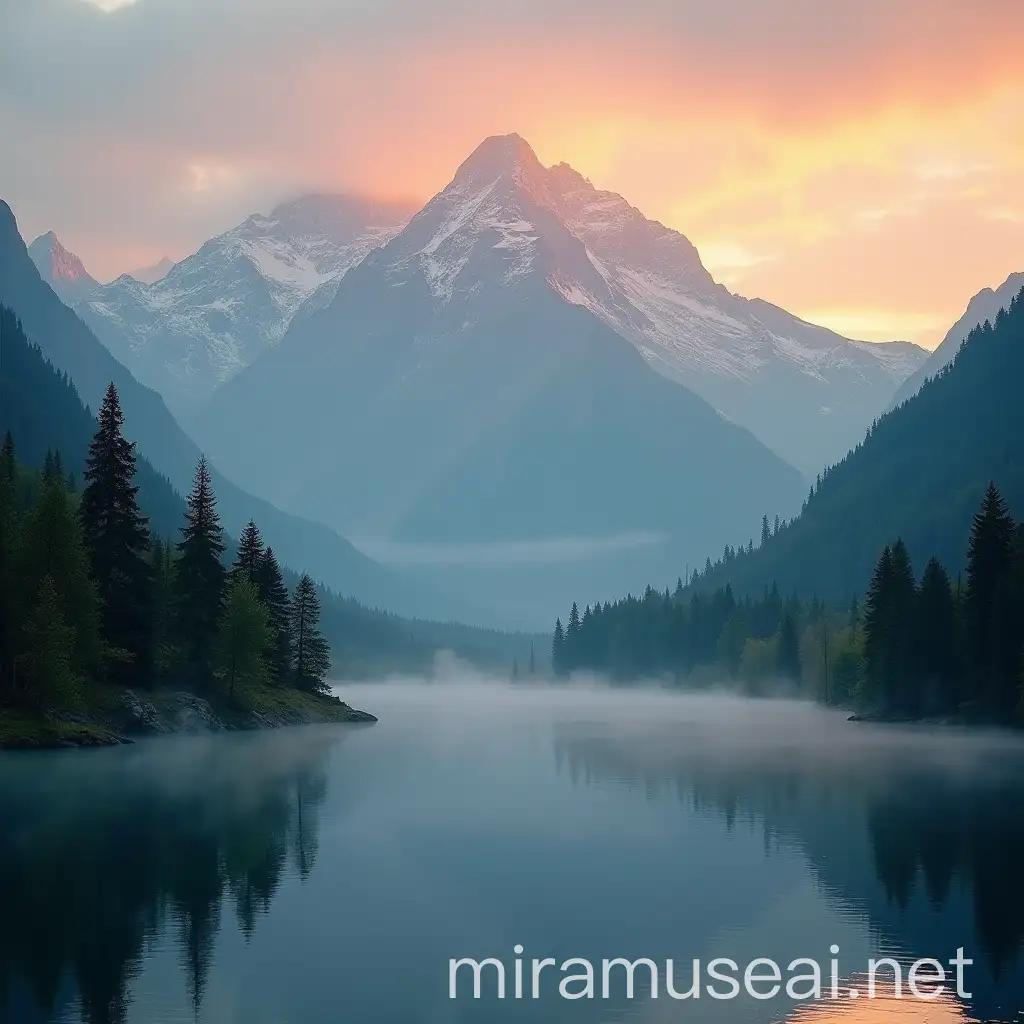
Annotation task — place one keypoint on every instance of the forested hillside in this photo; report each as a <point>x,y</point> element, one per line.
<point>918,474</point>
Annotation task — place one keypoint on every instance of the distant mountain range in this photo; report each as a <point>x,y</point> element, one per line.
<point>984,306</point>
<point>72,348</point>
<point>919,474</point>
<point>189,328</point>
<point>806,392</point>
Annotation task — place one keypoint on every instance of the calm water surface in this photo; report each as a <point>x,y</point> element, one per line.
<point>320,876</point>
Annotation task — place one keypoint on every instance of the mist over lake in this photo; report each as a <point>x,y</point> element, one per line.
<point>329,873</point>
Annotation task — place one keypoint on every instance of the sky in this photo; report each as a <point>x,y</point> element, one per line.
<point>859,162</point>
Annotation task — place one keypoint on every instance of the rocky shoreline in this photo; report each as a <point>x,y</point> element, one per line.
<point>126,715</point>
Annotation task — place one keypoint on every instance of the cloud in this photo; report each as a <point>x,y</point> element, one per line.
<point>795,128</point>
<point>108,6</point>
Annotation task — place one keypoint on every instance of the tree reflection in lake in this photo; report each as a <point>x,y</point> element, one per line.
<point>922,831</point>
<point>102,852</point>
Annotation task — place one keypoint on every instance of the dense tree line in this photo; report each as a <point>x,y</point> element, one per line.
<point>920,647</point>
<point>932,647</point>
<point>89,595</point>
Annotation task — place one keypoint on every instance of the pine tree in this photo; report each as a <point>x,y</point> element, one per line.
<point>200,575</point>
<point>50,546</point>
<point>557,648</point>
<point>165,653</point>
<point>570,649</point>
<point>936,653</point>
<point>533,662</point>
<point>274,594</point>
<point>904,683</point>
<point>515,668</point>
<point>889,617</point>
<point>250,553</point>
<point>312,653</point>
<point>765,532</point>
<point>243,637</point>
<point>48,664</point>
<point>117,538</point>
<point>989,571</point>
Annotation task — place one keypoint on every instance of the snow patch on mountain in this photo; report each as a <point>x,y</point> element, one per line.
<point>505,217</point>
<point>215,311</point>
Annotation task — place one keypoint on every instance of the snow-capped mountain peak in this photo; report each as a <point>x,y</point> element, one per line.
<point>62,270</point>
<point>505,219</point>
<point>210,315</point>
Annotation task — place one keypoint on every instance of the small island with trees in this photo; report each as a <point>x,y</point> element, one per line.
<point>108,631</point>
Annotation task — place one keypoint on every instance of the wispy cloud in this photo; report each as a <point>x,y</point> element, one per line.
<point>843,155</point>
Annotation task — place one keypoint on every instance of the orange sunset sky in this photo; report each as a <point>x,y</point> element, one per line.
<point>858,162</point>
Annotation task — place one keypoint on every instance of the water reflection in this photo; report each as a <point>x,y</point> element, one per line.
<point>103,853</point>
<point>925,832</point>
<point>180,880</point>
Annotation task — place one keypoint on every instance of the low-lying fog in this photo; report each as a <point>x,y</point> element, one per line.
<point>666,725</point>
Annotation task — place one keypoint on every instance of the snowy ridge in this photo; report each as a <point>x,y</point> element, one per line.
<point>505,219</point>
<point>215,311</point>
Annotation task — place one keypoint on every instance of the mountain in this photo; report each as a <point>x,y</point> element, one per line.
<point>919,474</point>
<point>215,311</point>
<point>805,391</point>
<point>154,272</point>
<point>73,349</point>
<point>63,271</point>
<point>449,394</point>
<point>984,306</point>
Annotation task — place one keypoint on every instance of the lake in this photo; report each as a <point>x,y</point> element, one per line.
<point>328,874</point>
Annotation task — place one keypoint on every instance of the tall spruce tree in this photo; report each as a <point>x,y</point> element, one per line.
<point>558,648</point>
<point>49,663</point>
<point>877,623</point>
<point>200,576</point>
<point>312,653</point>
<point>250,554</point>
<point>50,547</point>
<point>904,684</point>
<point>274,594</point>
<point>993,639</point>
<point>936,647</point>
<point>571,647</point>
<point>243,637</point>
<point>889,618</point>
<point>116,537</point>
<point>165,651</point>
